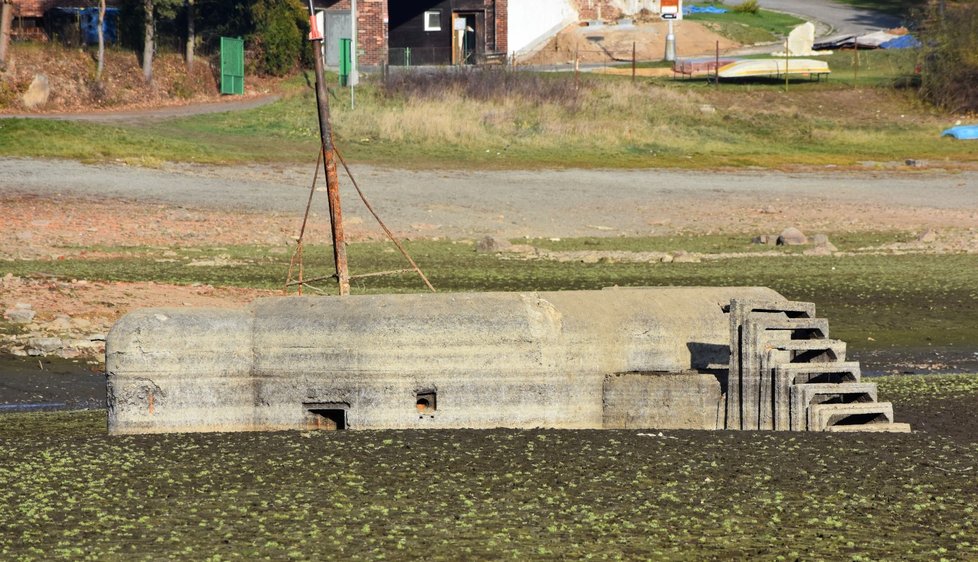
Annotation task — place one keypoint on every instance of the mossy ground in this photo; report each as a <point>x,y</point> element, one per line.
<point>871,300</point>
<point>70,491</point>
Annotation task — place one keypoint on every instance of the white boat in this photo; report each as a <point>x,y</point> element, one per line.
<point>774,67</point>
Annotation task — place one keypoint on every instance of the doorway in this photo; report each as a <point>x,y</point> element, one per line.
<point>468,37</point>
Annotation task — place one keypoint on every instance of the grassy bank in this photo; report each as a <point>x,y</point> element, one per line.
<point>872,301</point>
<point>763,26</point>
<point>504,119</point>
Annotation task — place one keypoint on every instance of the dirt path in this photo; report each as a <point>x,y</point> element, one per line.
<point>154,114</point>
<point>263,203</point>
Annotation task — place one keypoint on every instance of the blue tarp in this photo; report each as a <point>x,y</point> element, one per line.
<point>88,23</point>
<point>704,10</point>
<point>962,132</point>
<point>901,42</point>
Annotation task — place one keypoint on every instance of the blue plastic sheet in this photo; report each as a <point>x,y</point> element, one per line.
<point>962,132</point>
<point>704,10</point>
<point>902,42</point>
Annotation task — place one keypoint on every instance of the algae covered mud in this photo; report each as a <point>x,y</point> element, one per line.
<point>70,491</point>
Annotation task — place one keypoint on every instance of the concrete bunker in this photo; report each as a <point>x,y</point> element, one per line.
<point>666,357</point>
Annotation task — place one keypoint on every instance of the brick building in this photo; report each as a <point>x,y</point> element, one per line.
<point>417,31</point>
<point>33,18</point>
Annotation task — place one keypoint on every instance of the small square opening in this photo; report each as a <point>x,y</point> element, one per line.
<point>432,20</point>
<point>426,402</point>
<point>327,416</point>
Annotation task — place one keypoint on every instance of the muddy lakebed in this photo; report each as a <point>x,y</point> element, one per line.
<point>68,490</point>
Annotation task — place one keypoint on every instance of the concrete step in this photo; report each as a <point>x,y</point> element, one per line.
<point>811,351</point>
<point>811,373</point>
<point>805,395</point>
<point>757,376</point>
<point>739,398</point>
<point>823,416</point>
<point>795,328</point>
<point>786,375</point>
<point>873,427</point>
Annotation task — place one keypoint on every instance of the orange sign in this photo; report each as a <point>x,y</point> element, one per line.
<point>670,9</point>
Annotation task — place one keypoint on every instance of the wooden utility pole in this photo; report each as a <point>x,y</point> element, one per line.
<point>6,17</point>
<point>329,159</point>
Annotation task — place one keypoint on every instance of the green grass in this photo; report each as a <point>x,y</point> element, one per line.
<point>872,301</point>
<point>927,387</point>
<point>609,122</point>
<point>763,27</point>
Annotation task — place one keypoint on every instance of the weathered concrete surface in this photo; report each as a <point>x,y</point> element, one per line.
<point>663,401</point>
<point>486,359</point>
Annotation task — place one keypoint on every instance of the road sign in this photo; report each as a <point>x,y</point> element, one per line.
<point>671,9</point>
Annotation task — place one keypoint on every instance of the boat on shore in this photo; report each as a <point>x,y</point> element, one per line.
<point>772,67</point>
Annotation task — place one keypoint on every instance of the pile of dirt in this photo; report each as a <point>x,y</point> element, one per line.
<point>613,43</point>
<point>70,74</point>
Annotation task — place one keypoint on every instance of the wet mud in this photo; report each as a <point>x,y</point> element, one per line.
<point>46,384</point>
<point>71,491</point>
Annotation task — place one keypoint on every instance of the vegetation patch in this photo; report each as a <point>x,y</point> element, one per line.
<point>505,119</point>
<point>70,491</point>
<point>872,301</point>
<point>747,24</point>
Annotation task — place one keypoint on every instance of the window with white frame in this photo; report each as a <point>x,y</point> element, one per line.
<point>432,20</point>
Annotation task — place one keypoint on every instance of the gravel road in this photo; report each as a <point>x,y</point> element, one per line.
<point>534,203</point>
<point>843,18</point>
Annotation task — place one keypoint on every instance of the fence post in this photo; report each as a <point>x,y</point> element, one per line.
<point>633,61</point>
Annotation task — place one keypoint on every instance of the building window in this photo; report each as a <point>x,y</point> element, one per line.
<point>432,20</point>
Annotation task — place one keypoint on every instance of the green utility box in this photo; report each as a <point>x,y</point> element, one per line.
<point>232,65</point>
<point>346,60</point>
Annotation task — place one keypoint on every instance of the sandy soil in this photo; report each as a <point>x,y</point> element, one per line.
<point>613,43</point>
<point>52,210</point>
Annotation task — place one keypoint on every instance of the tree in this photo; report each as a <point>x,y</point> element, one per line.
<point>191,35</point>
<point>149,25</point>
<point>6,15</point>
<point>278,35</point>
<point>949,73</point>
<point>101,40</point>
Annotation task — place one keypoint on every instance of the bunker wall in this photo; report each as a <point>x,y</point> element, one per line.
<point>475,360</point>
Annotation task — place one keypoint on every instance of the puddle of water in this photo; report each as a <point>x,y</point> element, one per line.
<point>29,384</point>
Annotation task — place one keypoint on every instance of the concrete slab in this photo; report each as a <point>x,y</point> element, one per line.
<point>823,416</point>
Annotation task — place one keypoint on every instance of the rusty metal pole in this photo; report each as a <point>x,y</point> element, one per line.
<point>329,159</point>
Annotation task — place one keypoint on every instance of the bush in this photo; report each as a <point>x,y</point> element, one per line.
<point>949,70</point>
<point>747,7</point>
<point>485,84</point>
<point>280,27</point>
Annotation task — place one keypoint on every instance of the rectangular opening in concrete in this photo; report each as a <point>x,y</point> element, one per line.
<point>328,416</point>
<point>860,419</point>
<point>426,402</point>
<point>833,378</point>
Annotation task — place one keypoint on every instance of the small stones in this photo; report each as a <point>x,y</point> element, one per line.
<point>37,93</point>
<point>44,346</point>
<point>491,244</point>
<point>20,314</point>
<point>821,242</point>
<point>791,236</point>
